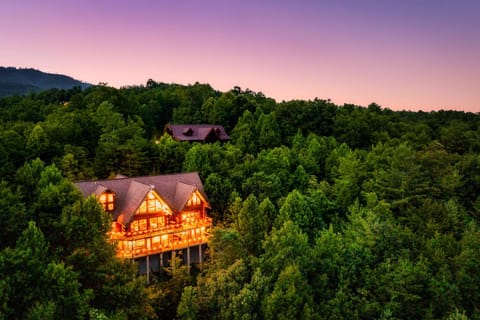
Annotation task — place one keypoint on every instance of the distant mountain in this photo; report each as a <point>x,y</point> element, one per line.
<point>23,81</point>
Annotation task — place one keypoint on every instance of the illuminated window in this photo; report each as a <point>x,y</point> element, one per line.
<point>107,200</point>
<point>142,224</point>
<point>152,205</point>
<point>194,200</point>
<point>134,226</point>
<point>140,243</point>
<point>164,238</point>
<point>117,227</point>
<point>156,240</point>
<point>190,217</point>
<point>125,245</point>
<point>157,222</point>
<point>153,223</point>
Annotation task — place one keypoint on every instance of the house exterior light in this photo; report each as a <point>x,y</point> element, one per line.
<point>152,215</point>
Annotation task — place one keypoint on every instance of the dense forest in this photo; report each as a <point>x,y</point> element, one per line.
<point>320,211</point>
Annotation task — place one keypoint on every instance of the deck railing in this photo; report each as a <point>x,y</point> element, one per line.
<point>174,237</point>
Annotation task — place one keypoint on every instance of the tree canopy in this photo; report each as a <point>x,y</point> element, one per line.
<point>320,211</point>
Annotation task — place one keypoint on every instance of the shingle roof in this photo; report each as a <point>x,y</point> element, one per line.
<point>175,190</point>
<point>197,132</point>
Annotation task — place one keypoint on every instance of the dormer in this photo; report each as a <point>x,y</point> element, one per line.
<point>107,199</point>
<point>153,203</point>
<point>194,200</point>
<point>187,131</point>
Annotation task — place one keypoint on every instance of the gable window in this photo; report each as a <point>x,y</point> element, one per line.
<point>152,204</point>
<point>194,200</point>
<point>107,200</point>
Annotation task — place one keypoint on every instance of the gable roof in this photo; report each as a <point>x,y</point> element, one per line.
<point>197,132</point>
<point>174,189</point>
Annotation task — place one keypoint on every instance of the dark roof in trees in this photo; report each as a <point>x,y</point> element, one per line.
<point>174,189</point>
<point>197,132</point>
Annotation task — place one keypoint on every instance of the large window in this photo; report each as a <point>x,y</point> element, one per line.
<point>144,224</point>
<point>138,225</point>
<point>157,222</point>
<point>194,200</point>
<point>134,226</point>
<point>190,217</point>
<point>107,199</point>
<point>152,205</point>
<point>140,243</point>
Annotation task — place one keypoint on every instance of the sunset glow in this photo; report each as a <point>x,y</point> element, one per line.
<point>400,54</point>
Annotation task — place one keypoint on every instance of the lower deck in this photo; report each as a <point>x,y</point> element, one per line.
<point>155,262</point>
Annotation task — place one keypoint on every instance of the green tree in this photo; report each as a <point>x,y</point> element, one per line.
<point>169,291</point>
<point>13,215</point>
<point>215,293</point>
<point>268,213</point>
<point>12,152</point>
<point>34,279</point>
<point>458,137</point>
<point>187,308</point>
<point>348,184</point>
<point>218,189</point>
<point>290,298</point>
<point>114,281</point>
<point>244,134</point>
<point>268,131</point>
<point>37,144</point>
<point>466,274</point>
<point>122,150</point>
<point>469,171</point>
<point>225,249</point>
<point>404,286</point>
<point>52,194</point>
<point>297,208</point>
<point>251,226</point>
<point>285,245</point>
<point>197,159</point>
<point>27,178</point>
<point>75,164</point>
<point>263,185</point>
<point>171,154</point>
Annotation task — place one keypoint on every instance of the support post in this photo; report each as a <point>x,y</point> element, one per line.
<point>161,259</point>
<point>188,256</point>
<point>148,269</point>
<point>200,258</point>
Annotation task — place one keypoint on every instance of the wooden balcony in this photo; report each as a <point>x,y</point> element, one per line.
<point>169,238</point>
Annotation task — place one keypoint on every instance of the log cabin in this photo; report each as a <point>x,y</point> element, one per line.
<point>205,133</point>
<point>153,216</point>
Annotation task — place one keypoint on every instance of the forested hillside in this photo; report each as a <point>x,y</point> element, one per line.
<point>320,211</point>
<point>23,81</point>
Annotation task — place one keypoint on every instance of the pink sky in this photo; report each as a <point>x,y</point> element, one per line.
<point>406,54</point>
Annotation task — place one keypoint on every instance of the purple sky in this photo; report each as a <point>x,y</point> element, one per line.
<point>409,54</point>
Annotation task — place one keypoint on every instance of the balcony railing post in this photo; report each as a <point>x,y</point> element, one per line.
<point>177,237</point>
